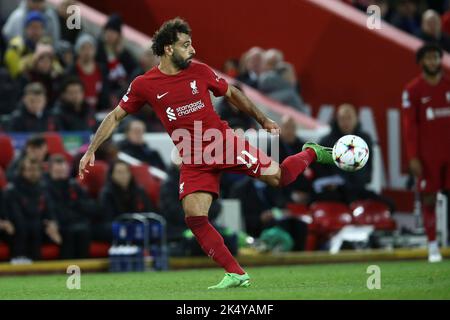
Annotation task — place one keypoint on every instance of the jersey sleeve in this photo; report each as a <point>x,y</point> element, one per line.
<point>216,84</point>
<point>410,123</point>
<point>133,100</point>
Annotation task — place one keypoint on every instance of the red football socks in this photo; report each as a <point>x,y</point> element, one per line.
<point>294,165</point>
<point>212,243</point>
<point>429,221</point>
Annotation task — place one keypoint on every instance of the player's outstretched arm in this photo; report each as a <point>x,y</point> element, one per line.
<point>104,132</point>
<point>240,100</point>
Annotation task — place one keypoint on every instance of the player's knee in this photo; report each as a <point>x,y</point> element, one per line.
<point>273,181</point>
<point>193,210</point>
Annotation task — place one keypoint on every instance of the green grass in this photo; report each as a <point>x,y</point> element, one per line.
<point>399,280</point>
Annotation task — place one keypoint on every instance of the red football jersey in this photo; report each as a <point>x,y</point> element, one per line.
<point>180,101</point>
<point>426,118</point>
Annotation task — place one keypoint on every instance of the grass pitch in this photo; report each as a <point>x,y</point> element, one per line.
<point>399,280</point>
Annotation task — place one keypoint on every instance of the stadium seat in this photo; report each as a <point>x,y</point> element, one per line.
<point>4,251</point>
<point>297,209</point>
<point>147,181</point>
<point>7,151</point>
<point>374,213</point>
<point>330,216</point>
<point>95,179</point>
<point>99,249</point>
<point>49,252</point>
<point>3,181</point>
<point>55,145</point>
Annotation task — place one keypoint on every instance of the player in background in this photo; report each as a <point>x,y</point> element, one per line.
<point>178,90</point>
<point>426,132</point>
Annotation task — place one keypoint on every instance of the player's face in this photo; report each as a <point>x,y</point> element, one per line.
<point>183,51</point>
<point>347,120</point>
<point>431,63</point>
<point>59,171</point>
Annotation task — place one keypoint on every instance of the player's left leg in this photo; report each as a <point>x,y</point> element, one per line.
<point>282,175</point>
<point>196,207</point>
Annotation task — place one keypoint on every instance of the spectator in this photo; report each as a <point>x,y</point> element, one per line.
<point>432,30</point>
<point>27,207</point>
<point>72,209</point>
<point>278,80</point>
<point>406,18</point>
<point>135,146</point>
<point>43,68</point>
<point>22,47</point>
<point>32,115</point>
<point>178,235</point>
<point>231,68</point>
<point>250,66</point>
<point>6,227</point>
<point>35,148</point>
<point>438,5</point>
<point>71,112</point>
<point>257,202</point>
<point>67,34</point>
<point>147,60</point>
<point>92,74</point>
<point>107,152</point>
<point>121,194</point>
<point>262,209</point>
<point>234,116</point>
<point>15,24</point>
<point>335,184</point>
<point>65,54</point>
<point>9,91</point>
<point>299,191</point>
<point>113,54</point>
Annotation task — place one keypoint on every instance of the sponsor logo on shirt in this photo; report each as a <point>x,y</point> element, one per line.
<point>194,87</point>
<point>433,113</point>
<point>190,108</point>
<point>171,114</point>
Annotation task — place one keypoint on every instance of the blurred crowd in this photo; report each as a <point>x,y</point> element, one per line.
<point>428,20</point>
<point>56,79</point>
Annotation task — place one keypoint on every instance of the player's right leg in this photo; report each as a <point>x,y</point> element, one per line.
<point>196,206</point>
<point>281,175</point>
<point>429,223</point>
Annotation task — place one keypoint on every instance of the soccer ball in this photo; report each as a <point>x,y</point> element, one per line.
<point>350,153</point>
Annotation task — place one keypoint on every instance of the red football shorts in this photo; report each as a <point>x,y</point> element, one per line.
<point>435,176</point>
<point>241,157</point>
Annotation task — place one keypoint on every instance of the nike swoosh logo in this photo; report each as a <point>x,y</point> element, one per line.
<point>160,96</point>
<point>256,170</point>
<point>425,99</point>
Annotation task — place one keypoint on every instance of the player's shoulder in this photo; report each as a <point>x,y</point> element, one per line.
<point>446,78</point>
<point>199,67</point>
<point>415,83</point>
<point>145,78</point>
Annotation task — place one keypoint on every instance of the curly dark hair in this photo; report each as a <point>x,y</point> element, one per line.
<point>428,47</point>
<point>167,34</point>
